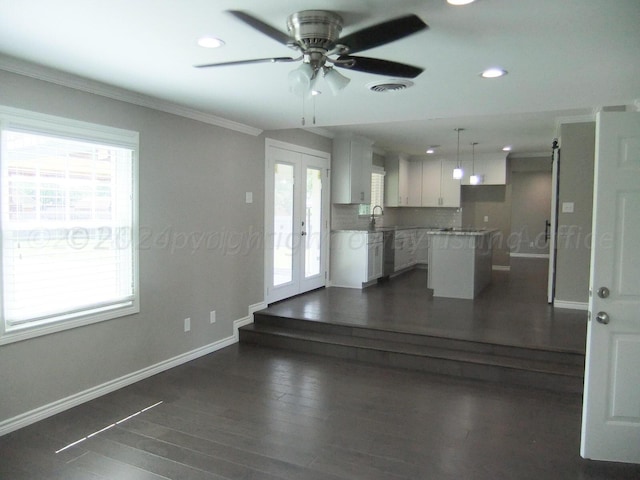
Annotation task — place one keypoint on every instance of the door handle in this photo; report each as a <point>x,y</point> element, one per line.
<point>603,318</point>
<point>547,229</point>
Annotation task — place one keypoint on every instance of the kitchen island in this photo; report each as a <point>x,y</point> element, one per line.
<point>460,262</point>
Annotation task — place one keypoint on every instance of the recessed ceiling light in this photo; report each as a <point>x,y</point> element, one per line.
<point>493,73</point>
<point>507,148</point>
<point>432,149</point>
<point>210,42</point>
<point>460,2</point>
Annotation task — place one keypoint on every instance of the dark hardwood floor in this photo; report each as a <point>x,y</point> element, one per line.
<point>512,310</point>
<point>250,412</point>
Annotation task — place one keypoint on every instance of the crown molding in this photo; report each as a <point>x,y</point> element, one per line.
<point>532,155</point>
<point>39,72</point>
<point>323,132</point>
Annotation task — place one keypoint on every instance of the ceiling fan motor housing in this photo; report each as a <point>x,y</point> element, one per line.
<point>315,29</point>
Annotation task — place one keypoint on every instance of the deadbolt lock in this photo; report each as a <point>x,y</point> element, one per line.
<point>603,292</point>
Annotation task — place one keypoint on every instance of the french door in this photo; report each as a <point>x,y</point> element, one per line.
<point>296,220</point>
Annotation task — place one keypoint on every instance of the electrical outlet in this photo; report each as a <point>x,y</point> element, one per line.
<point>212,316</point>
<point>187,324</point>
<point>486,218</point>
<point>531,245</point>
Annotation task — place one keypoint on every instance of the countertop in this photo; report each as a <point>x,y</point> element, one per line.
<point>427,229</point>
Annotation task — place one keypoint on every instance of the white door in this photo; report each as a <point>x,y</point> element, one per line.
<point>611,409</point>
<point>297,220</point>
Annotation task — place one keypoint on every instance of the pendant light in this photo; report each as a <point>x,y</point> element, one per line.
<point>457,172</point>
<point>473,179</point>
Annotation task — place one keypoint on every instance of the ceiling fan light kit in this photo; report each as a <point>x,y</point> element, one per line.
<point>335,80</point>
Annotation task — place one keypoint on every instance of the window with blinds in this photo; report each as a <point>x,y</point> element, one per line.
<point>69,208</point>
<point>377,193</point>
<point>377,190</point>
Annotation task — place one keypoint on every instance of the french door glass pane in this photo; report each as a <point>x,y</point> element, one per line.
<point>283,224</point>
<point>313,222</point>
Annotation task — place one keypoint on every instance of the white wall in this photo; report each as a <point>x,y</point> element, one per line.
<point>193,179</point>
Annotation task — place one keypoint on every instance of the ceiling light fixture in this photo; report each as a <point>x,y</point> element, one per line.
<point>458,172</point>
<point>474,179</point>
<point>210,42</point>
<point>507,148</point>
<point>458,3</point>
<point>432,149</point>
<point>493,72</point>
<point>301,78</point>
<point>335,80</point>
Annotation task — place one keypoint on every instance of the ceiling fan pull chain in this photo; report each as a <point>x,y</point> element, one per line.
<point>303,120</point>
<point>314,109</point>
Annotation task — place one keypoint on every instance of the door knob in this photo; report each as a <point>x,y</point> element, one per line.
<point>603,292</point>
<point>603,317</point>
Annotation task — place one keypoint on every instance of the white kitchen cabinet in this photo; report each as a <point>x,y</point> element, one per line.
<point>422,247</point>
<point>396,179</point>
<point>491,167</point>
<point>351,170</point>
<point>414,184</point>
<point>375,257</point>
<point>356,258</point>
<point>404,249</point>
<point>439,188</point>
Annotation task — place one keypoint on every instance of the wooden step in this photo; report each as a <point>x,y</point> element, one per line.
<point>550,370</point>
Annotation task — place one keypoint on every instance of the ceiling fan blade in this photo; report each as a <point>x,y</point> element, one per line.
<point>248,62</point>
<point>383,33</point>
<point>377,66</point>
<point>262,27</point>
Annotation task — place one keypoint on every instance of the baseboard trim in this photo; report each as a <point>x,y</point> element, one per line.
<point>529,255</point>
<point>40,413</point>
<point>504,268</point>
<point>571,305</point>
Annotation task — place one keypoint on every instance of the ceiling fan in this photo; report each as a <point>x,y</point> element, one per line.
<point>315,34</point>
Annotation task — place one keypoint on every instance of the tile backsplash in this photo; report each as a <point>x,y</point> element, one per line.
<point>346,216</point>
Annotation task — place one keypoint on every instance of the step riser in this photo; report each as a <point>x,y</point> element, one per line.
<point>510,376</point>
<point>568,358</point>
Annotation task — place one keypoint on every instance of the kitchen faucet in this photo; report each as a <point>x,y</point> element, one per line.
<point>372,223</point>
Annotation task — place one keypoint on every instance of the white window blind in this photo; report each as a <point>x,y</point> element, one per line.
<point>377,189</point>
<point>68,227</point>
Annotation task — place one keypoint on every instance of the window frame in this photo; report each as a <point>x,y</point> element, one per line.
<point>33,122</point>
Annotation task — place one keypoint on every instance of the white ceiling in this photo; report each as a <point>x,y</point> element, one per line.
<point>566,58</point>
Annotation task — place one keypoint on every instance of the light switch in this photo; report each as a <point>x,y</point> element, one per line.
<point>567,207</point>
<point>248,197</point>
<point>486,218</point>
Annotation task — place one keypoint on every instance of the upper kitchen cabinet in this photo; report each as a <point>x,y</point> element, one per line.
<point>439,189</point>
<point>351,169</point>
<point>403,181</point>
<point>396,177</point>
<point>491,167</point>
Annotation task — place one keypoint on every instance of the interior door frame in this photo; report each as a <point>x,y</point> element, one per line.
<point>553,220</point>
<point>326,205</point>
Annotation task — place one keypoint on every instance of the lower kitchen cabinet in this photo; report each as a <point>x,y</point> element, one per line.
<point>404,249</point>
<point>422,247</point>
<point>356,258</point>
